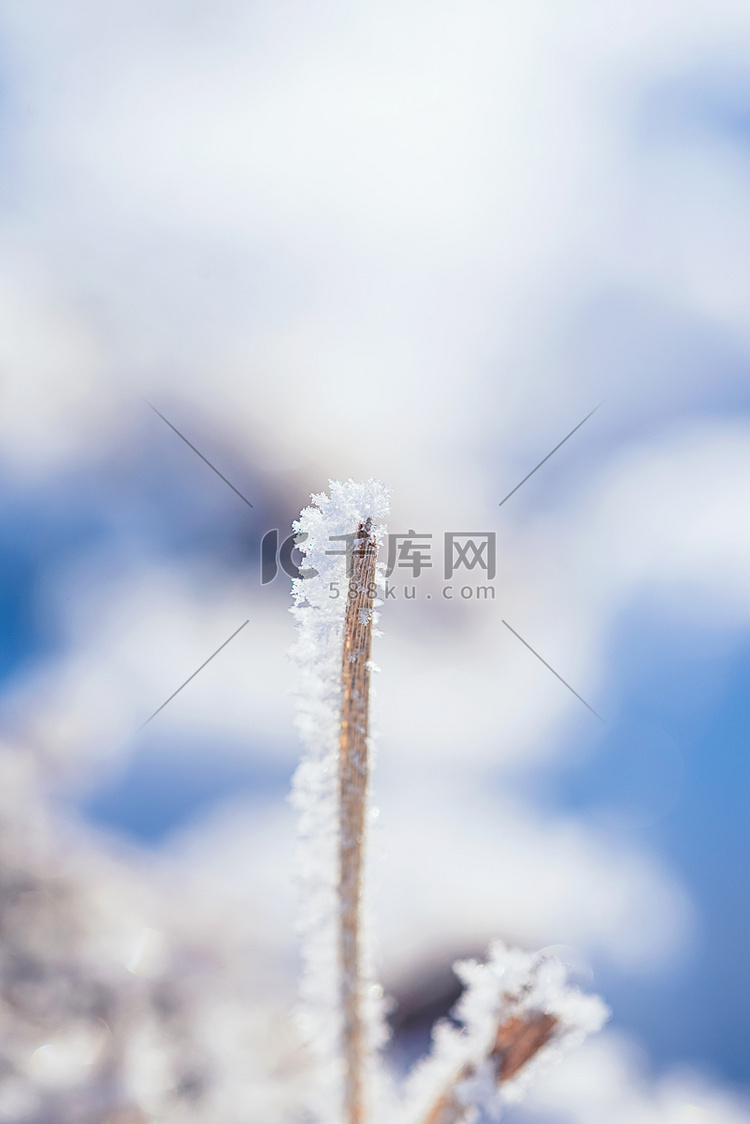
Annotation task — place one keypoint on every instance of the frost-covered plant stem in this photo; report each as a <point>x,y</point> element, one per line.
<point>341,1009</point>
<point>517,1007</point>
<point>518,1039</point>
<point>353,776</point>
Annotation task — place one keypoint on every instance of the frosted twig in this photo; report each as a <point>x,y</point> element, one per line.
<point>353,773</point>
<point>516,1042</point>
<point>515,1008</point>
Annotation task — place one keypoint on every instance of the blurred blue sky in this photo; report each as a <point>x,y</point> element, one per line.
<point>672,772</point>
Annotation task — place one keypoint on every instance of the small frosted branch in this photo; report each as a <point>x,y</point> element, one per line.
<point>517,1041</point>
<point>517,1009</point>
<point>340,1018</point>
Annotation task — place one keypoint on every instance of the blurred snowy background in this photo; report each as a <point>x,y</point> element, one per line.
<point>415,241</point>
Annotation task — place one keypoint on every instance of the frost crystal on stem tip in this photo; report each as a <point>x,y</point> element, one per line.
<point>517,1008</point>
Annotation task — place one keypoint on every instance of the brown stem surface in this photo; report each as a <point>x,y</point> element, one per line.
<point>353,775</point>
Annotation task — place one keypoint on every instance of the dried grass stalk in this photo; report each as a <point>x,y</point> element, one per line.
<point>353,778</point>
